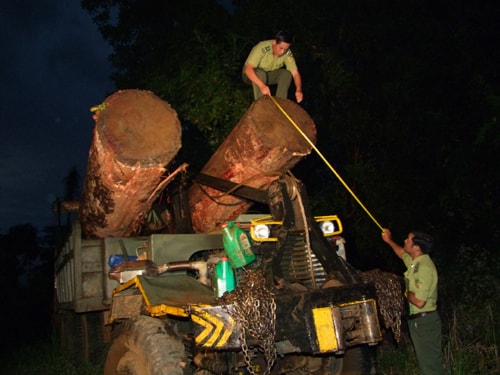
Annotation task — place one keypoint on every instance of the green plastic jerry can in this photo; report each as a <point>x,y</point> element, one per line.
<point>224,279</point>
<point>237,245</point>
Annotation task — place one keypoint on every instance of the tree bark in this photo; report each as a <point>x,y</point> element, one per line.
<point>263,145</point>
<point>136,135</point>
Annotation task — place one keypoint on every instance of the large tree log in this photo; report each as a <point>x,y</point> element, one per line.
<point>263,145</point>
<point>135,137</point>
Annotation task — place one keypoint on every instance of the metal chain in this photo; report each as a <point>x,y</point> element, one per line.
<point>254,309</point>
<point>390,298</point>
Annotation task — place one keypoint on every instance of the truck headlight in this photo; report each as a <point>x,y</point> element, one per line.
<point>327,227</point>
<point>262,231</point>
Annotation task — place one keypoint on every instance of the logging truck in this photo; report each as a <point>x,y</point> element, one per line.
<point>221,271</point>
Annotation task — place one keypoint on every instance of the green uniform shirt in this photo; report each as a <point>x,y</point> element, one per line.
<point>422,279</point>
<point>261,56</point>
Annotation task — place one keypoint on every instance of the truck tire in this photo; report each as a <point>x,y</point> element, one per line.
<point>320,365</point>
<point>144,347</point>
<point>335,366</point>
<point>332,366</point>
<point>359,360</point>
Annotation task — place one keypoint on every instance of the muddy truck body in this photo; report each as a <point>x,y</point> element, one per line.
<point>286,301</point>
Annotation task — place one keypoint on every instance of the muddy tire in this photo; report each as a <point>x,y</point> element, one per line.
<point>144,347</point>
<point>331,366</point>
<point>359,360</point>
<point>317,365</point>
<point>335,366</point>
<point>356,361</point>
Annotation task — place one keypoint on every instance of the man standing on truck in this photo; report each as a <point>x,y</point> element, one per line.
<point>421,280</point>
<point>271,62</point>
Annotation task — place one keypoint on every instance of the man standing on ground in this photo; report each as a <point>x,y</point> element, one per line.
<point>421,292</point>
<point>271,62</point>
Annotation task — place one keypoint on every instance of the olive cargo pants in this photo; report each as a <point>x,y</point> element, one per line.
<point>282,78</point>
<point>425,333</point>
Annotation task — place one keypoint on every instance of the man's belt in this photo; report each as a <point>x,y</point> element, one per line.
<point>420,314</point>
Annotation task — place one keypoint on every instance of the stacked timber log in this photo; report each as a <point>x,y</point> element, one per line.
<point>263,145</point>
<point>136,136</point>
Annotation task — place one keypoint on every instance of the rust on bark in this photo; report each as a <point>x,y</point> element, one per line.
<point>263,145</point>
<point>136,135</point>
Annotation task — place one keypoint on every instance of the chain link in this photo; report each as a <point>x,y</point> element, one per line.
<point>390,298</point>
<point>254,309</point>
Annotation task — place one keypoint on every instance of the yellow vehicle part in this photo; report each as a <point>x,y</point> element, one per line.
<point>326,332</point>
<point>217,326</point>
<point>330,330</point>
<point>165,295</point>
<point>267,220</point>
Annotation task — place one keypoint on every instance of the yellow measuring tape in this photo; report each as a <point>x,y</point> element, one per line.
<point>326,162</point>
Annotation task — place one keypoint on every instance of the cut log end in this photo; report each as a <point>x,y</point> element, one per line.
<point>138,127</point>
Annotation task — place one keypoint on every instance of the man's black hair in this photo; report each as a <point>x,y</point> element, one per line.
<point>424,241</point>
<point>284,36</point>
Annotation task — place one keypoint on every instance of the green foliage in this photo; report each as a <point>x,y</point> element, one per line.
<point>405,100</point>
<point>472,344</point>
<point>397,361</point>
<point>472,279</point>
<point>470,300</point>
<point>204,91</point>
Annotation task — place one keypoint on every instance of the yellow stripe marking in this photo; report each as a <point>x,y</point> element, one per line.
<point>227,333</point>
<point>208,328</point>
<point>219,325</point>
<point>325,329</point>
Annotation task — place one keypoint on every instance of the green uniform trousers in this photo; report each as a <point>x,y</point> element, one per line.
<point>425,333</point>
<point>282,78</point>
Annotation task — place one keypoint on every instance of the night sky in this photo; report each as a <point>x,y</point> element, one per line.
<point>54,68</point>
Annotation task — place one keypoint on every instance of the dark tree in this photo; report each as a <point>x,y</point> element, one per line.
<point>26,279</point>
<point>405,99</point>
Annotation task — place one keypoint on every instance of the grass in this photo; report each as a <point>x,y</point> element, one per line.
<point>43,357</point>
<point>396,360</point>
<point>469,346</point>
